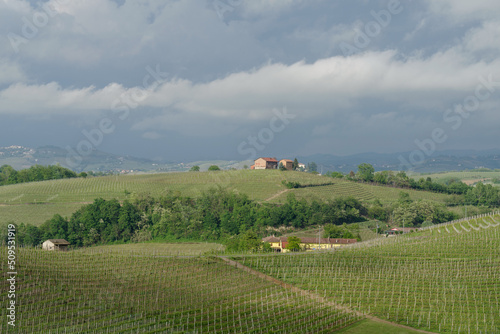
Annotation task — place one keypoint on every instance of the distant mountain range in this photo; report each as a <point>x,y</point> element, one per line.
<point>437,162</point>
<point>21,157</point>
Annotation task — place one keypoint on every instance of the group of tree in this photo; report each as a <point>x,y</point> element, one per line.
<point>212,168</point>
<point>480,194</point>
<point>411,213</point>
<point>8,175</point>
<point>217,214</point>
<point>366,173</point>
<point>341,231</point>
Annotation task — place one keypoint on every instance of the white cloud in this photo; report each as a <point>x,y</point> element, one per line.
<point>331,85</point>
<point>483,38</point>
<point>465,10</point>
<point>267,7</point>
<point>94,52</point>
<point>10,72</point>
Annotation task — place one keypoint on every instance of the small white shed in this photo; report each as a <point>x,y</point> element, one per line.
<point>56,244</point>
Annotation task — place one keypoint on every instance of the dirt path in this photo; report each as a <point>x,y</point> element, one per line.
<point>314,296</point>
<point>276,195</point>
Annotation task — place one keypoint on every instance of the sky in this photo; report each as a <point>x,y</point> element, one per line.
<point>187,80</point>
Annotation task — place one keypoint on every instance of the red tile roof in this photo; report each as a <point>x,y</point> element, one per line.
<point>271,239</point>
<point>269,159</point>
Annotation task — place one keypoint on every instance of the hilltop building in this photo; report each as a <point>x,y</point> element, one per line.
<point>287,163</point>
<point>265,163</point>
<point>56,244</point>
<point>278,244</point>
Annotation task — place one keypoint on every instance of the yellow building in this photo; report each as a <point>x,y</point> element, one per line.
<point>279,243</point>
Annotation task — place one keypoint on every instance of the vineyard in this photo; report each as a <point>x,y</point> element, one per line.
<point>363,192</point>
<point>444,279</point>
<point>468,177</point>
<point>99,292</point>
<point>38,201</point>
<point>157,249</point>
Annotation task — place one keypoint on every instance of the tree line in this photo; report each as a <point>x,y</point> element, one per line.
<point>481,194</point>
<point>8,175</point>
<point>217,215</point>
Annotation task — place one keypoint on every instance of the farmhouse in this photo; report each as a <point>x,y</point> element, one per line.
<point>266,163</point>
<point>278,244</point>
<point>56,244</point>
<point>287,163</point>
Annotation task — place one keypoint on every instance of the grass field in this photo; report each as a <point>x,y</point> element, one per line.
<point>469,177</point>
<point>157,249</point>
<point>368,326</point>
<point>38,201</point>
<point>363,192</point>
<point>78,292</point>
<point>445,279</point>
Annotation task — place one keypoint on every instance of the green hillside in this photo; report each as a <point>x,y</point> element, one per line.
<point>36,202</point>
<point>444,280</point>
<point>109,292</point>
<point>469,177</point>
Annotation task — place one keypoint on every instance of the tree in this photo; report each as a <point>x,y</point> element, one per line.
<point>282,167</point>
<point>382,177</point>
<point>250,241</point>
<point>245,166</point>
<point>404,198</point>
<point>213,168</point>
<point>377,211</point>
<point>332,231</point>
<point>335,175</point>
<point>293,244</point>
<point>195,169</point>
<point>483,195</point>
<point>266,247</point>
<point>312,167</point>
<point>365,172</point>
<point>295,164</point>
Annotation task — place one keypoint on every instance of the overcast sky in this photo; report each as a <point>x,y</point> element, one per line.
<point>187,80</point>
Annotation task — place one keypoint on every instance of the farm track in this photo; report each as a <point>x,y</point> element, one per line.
<point>314,296</point>
<point>276,195</point>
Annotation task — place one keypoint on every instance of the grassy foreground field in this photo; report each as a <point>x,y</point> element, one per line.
<point>157,249</point>
<point>109,292</point>
<point>444,280</point>
<point>36,202</point>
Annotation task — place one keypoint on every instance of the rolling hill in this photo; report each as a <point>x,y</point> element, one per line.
<point>36,202</point>
<point>445,279</point>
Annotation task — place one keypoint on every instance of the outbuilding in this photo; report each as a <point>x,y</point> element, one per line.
<point>56,244</point>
